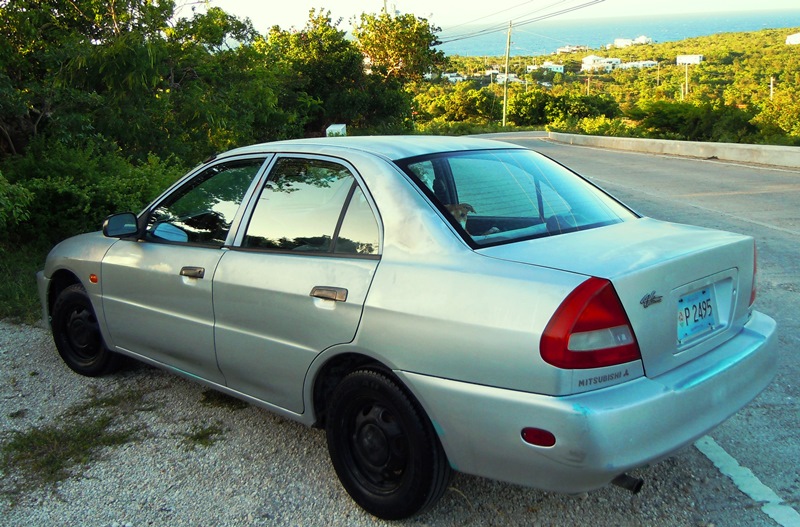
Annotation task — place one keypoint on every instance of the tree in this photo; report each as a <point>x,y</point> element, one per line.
<point>325,82</point>
<point>398,47</point>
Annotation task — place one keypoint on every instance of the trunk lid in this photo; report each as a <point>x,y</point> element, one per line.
<point>685,289</point>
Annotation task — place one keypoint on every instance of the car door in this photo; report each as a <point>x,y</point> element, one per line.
<point>157,290</point>
<point>296,279</point>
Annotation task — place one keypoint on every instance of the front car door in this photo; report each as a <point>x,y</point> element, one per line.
<point>157,290</point>
<point>296,279</point>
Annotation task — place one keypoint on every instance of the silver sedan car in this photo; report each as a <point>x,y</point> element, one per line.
<point>435,304</point>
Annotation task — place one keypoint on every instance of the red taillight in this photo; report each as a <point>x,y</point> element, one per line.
<point>755,269</point>
<point>589,330</point>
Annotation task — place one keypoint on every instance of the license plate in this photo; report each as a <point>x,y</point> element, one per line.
<point>697,314</point>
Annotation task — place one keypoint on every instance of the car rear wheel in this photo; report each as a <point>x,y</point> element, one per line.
<point>76,333</point>
<point>383,447</point>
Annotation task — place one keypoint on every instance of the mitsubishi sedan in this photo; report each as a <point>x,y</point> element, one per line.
<point>435,304</point>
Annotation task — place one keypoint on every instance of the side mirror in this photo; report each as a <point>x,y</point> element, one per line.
<point>120,225</point>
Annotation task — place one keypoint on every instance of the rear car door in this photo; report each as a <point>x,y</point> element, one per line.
<point>157,290</point>
<point>296,279</point>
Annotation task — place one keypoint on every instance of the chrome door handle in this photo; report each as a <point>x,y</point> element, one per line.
<point>193,272</point>
<point>337,294</point>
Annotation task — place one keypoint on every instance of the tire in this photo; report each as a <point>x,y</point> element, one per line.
<point>76,333</point>
<point>383,447</point>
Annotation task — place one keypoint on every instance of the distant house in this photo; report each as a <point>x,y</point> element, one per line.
<point>595,63</point>
<point>512,77</point>
<point>627,42</point>
<point>638,64</point>
<point>547,65</point>
<point>453,77</point>
<point>688,59</point>
<point>793,40</point>
<point>571,49</point>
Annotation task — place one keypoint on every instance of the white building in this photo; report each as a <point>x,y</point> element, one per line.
<point>688,59</point>
<point>453,77</point>
<point>512,77</point>
<point>595,63</point>
<point>571,49</point>
<point>793,40</point>
<point>638,64</point>
<point>547,65</point>
<point>627,42</point>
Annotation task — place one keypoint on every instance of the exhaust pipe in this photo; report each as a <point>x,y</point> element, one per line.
<point>628,483</point>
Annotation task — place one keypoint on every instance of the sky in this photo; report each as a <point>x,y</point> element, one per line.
<point>451,13</point>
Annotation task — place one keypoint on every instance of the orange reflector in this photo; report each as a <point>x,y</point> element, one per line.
<point>538,437</point>
<point>93,278</point>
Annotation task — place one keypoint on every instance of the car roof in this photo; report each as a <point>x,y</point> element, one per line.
<point>391,147</point>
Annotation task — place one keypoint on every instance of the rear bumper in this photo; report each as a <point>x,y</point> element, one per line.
<point>599,434</point>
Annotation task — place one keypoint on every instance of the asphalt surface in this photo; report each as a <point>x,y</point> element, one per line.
<point>266,470</point>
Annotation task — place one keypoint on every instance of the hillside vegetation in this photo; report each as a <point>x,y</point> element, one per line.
<point>103,103</point>
<point>746,90</point>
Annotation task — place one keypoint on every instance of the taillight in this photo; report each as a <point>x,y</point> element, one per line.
<point>589,329</point>
<point>755,269</point>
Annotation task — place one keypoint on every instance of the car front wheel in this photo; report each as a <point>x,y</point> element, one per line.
<point>76,333</point>
<point>383,447</point>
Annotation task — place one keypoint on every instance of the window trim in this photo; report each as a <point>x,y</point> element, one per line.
<point>143,218</point>
<point>247,212</point>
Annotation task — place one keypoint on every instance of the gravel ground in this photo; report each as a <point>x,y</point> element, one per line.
<point>266,470</point>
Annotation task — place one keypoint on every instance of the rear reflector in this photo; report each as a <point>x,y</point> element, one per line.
<point>589,330</point>
<point>538,437</point>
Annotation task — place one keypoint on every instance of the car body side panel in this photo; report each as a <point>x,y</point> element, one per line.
<point>268,326</point>
<point>468,320</point>
<point>81,256</point>
<point>154,311</point>
<point>599,434</point>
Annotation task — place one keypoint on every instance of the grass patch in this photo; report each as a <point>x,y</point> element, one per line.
<point>221,400</point>
<point>19,297</point>
<point>45,455</point>
<point>48,454</point>
<point>204,436</point>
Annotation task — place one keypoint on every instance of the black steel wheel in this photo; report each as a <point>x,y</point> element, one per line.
<point>76,333</point>
<point>383,447</point>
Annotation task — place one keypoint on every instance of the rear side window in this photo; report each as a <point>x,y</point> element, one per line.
<point>312,206</point>
<point>497,196</point>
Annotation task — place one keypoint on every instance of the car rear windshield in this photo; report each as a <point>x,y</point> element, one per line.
<point>500,196</point>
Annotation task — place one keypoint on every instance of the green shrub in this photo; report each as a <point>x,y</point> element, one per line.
<point>69,190</point>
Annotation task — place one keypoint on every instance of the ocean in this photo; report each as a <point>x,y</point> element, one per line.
<point>544,37</point>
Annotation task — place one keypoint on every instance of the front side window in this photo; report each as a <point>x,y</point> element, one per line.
<point>201,212</point>
<point>498,196</point>
<point>312,206</point>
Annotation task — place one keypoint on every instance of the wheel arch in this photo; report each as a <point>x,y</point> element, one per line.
<point>61,279</point>
<point>337,368</point>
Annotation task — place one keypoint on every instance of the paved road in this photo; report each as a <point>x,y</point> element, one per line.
<point>763,202</point>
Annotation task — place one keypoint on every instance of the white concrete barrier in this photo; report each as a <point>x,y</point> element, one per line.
<point>784,156</point>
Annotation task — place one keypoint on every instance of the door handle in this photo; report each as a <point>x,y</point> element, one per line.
<point>337,294</point>
<point>193,272</point>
